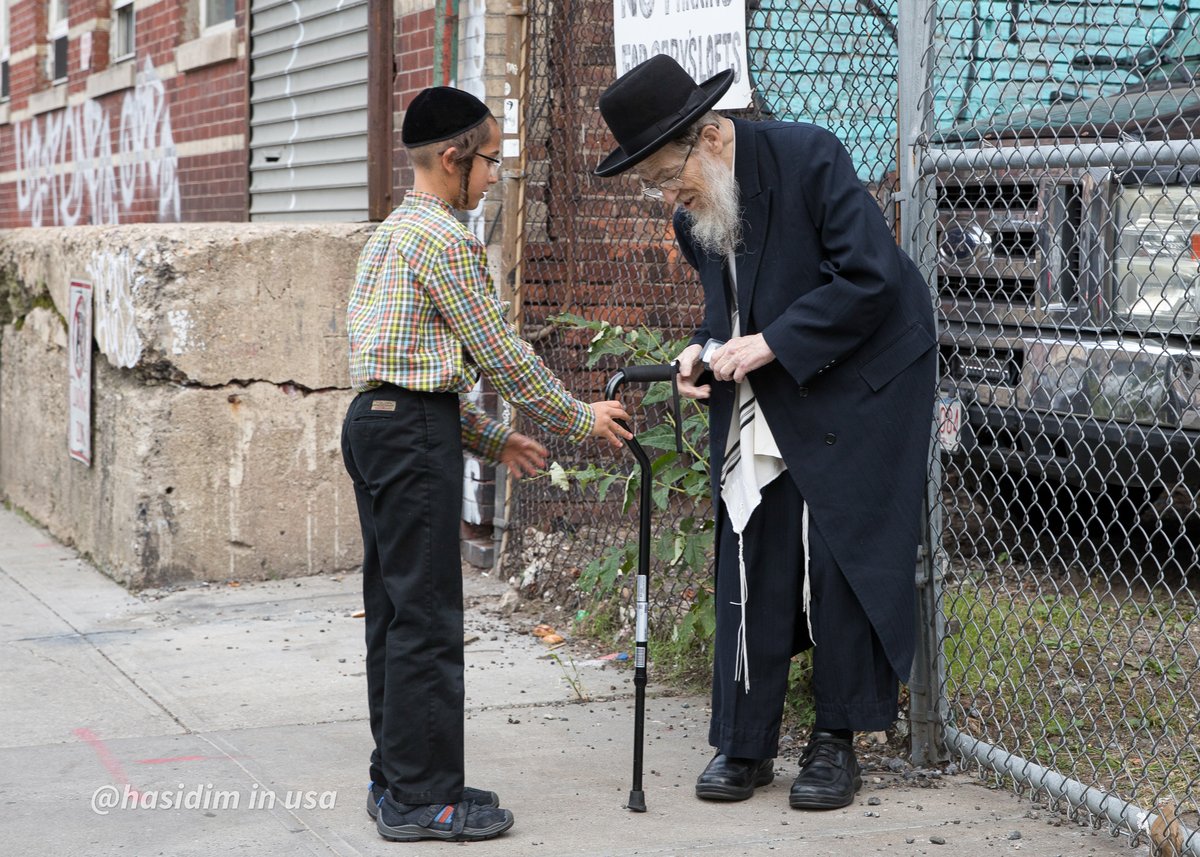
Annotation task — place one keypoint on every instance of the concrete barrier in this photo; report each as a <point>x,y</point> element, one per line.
<point>219,385</point>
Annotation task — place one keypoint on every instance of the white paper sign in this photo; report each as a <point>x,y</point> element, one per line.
<point>79,370</point>
<point>704,37</point>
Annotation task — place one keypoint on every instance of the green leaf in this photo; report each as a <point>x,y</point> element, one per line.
<point>602,347</point>
<point>663,460</point>
<point>587,476</point>
<point>696,547</point>
<point>698,624</point>
<point>680,542</point>
<point>570,319</point>
<point>601,575</point>
<point>605,484</point>
<point>657,392</point>
<point>661,436</point>
<point>676,474</point>
<point>664,547</point>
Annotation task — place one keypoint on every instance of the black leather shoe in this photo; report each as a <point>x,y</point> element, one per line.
<point>829,774</point>
<point>728,778</point>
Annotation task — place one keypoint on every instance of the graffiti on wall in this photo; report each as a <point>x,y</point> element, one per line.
<point>113,286</point>
<point>66,159</point>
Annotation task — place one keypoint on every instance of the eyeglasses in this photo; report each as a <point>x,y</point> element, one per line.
<point>655,190</point>
<point>493,163</point>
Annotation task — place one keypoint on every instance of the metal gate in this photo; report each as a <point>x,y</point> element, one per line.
<point>1043,162</point>
<point>308,110</point>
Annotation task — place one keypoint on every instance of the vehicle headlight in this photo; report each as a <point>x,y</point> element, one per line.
<point>1157,261</point>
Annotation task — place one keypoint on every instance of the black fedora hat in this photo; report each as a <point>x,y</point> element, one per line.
<point>650,105</point>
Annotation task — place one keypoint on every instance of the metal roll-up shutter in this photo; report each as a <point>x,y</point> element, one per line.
<point>308,110</point>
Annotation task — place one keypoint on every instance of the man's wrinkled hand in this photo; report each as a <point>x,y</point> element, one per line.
<point>690,368</point>
<point>738,357</point>
<point>523,455</point>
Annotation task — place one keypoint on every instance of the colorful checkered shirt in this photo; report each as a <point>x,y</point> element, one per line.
<point>424,315</point>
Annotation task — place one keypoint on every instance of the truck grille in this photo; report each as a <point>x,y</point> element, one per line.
<point>966,196</point>
<point>991,241</point>
<point>992,289</point>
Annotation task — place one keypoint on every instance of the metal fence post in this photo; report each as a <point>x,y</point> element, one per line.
<point>927,707</point>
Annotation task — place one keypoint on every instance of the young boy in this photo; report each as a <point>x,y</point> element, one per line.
<point>424,322</point>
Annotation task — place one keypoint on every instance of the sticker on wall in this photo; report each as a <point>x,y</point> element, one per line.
<point>79,371</point>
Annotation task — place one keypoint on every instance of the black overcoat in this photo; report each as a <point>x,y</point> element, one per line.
<point>850,396</point>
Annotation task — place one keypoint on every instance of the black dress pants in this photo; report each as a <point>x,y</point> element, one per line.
<point>854,685</point>
<point>403,450</point>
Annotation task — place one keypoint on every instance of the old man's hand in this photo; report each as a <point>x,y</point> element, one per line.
<point>740,356</point>
<point>690,368</point>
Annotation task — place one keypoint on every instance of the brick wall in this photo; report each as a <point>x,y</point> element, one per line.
<point>595,246</point>
<point>415,35</point>
<point>137,140</point>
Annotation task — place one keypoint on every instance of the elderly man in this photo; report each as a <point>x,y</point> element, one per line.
<point>820,420</point>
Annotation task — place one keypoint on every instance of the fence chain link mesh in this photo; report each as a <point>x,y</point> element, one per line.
<point>596,248</point>
<point>1062,163</point>
<point>1059,163</point>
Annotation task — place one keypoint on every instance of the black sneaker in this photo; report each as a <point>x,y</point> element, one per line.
<point>479,797</point>
<point>457,822</point>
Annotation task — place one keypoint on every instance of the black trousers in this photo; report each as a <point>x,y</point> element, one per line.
<point>403,450</point>
<point>854,685</point>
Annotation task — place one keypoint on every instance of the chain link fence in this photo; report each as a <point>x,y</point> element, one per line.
<point>1057,216</point>
<point>1062,204</point>
<point>596,248</point>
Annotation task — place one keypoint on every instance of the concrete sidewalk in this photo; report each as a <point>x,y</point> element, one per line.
<point>228,699</point>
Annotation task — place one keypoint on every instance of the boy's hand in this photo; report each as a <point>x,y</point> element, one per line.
<point>523,455</point>
<point>690,368</point>
<point>607,414</point>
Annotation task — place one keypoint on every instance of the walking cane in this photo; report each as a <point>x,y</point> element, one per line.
<point>643,375</point>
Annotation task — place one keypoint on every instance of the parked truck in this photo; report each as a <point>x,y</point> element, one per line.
<point>1068,268</point>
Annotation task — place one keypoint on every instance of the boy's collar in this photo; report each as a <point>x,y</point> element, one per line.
<point>417,196</point>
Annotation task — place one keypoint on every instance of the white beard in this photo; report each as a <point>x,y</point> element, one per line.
<point>717,224</point>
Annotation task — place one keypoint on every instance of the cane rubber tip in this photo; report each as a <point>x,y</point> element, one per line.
<point>637,801</point>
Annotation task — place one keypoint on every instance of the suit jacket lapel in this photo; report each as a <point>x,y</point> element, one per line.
<point>756,210</point>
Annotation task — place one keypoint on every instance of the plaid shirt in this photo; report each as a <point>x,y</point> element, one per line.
<point>424,315</point>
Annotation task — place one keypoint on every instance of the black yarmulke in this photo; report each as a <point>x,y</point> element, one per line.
<point>439,113</point>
